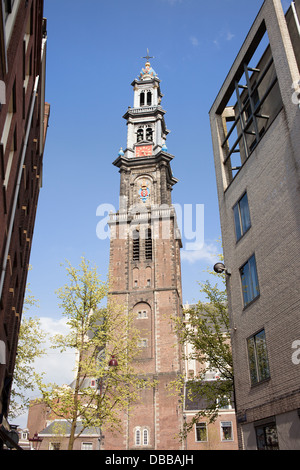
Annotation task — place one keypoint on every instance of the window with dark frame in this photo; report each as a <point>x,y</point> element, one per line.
<point>258,357</point>
<point>241,217</point>
<point>249,279</point>
<point>266,436</point>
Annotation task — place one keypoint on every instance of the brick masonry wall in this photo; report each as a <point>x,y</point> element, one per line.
<point>271,178</point>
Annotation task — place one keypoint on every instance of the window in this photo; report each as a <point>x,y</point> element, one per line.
<point>258,358</point>
<point>140,135</point>
<point>250,103</point>
<point>201,432</point>
<point>136,245</point>
<point>249,281</point>
<point>266,436</point>
<point>141,437</point>
<point>87,446</point>
<point>226,431</point>
<point>142,314</point>
<point>149,98</point>
<point>54,446</point>
<point>8,6</point>
<point>241,216</point>
<point>142,98</point>
<point>148,244</point>
<point>145,437</point>
<point>149,134</point>
<point>142,343</point>
<point>137,437</point>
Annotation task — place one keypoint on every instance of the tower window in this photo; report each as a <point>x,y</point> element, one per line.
<point>140,135</point>
<point>148,244</point>
<point>149,98</point>
<point>149,134</point>
<point>136,246</point>
<point>142,99</point>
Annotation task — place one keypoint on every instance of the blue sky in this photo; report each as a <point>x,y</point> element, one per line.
<point>93,54</point>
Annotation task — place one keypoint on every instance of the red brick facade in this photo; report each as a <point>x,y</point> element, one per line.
<point>23,124</point>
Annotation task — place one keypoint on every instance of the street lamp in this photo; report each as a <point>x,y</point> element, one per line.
<point>36,441</point>
<point>113,362</point>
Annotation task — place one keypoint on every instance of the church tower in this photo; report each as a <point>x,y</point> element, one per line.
<point>145,267</point>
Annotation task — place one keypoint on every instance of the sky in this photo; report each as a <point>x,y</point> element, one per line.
<point>94,52</point>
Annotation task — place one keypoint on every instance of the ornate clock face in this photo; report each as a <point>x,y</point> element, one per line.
<point>143,151</point>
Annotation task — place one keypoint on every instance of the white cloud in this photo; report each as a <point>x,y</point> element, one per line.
<point>201,252</point>
<point>194,41</point>
<point>58,367</point>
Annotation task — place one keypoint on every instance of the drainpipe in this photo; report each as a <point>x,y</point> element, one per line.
<point>11,222</point>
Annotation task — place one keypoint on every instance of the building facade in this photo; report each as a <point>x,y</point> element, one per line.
<point>145,268</point>
<point>255,124</point>
<point>23,124</point>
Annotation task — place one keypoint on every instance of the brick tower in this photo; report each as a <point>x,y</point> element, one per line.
<point>145,267</point>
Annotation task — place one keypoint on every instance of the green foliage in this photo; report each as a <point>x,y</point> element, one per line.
<point>205,327</point>
<point>96,332</point>
<point>30,347</point>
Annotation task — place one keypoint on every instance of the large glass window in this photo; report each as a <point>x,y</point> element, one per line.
<point>258,357</point>
<point>241,216</point>
<point>266,436</point>
<point>249,281</point>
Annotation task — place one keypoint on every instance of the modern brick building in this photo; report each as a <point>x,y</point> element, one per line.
<point>255,124</point>
<point>145,268</point>
<point>23,124</point>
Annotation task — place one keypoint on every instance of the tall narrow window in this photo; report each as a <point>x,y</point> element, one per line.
<point>140,135</point>
<point>145,437</point>
<point>142,99</point>
<point>149,98</point>
<point>149,134</point>
<point>148,244</point>
<point>241,216</point>
<point>249,281</point>
<point>137,437</point>
<point>258,357</point>
<point>135,245</point>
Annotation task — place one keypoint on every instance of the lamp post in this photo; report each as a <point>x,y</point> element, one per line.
<point>36,441</point>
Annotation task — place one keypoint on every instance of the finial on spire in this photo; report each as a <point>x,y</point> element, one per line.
<point>147,72</point>
<point>147,56</point>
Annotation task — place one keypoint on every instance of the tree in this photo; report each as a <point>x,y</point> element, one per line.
<point>96,333</point>
<point>205,326</point>
<point>30,347</point>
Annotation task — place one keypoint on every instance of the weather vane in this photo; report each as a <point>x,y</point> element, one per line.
<point>147,56</point>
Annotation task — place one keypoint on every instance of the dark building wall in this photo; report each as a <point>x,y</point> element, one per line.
<point>23,124</point>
